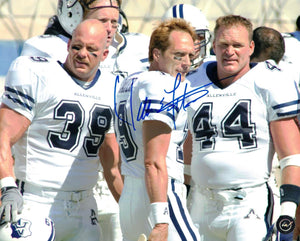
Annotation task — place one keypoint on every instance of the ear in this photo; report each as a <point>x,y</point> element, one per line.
<point>156,54</point>
<point>69,43</point>
<point>214,46</point>
<point>252,45</point>
<point>105,54</point>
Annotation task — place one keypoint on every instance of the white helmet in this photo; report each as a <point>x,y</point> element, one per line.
<point>70,14</point>
<point>196,18</point>
<point>28,228</point>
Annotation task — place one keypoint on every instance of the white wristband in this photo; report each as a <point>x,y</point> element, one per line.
<point>289,209</point>
<point>7,182</point>
<point>159,212</point>
<point>187,169</point>
<point>292,160</point>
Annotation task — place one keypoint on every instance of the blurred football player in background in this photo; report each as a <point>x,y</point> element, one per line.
<point>269,44</point>
<point>292,45</point>
<point>296,33</point>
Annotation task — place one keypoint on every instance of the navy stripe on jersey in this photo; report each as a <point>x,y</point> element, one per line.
<point>52,235</point>
<point>19,93</point>
<point>290,113</point>
<point>287,104</point>
<point>183,218</point>
<point>19,102</point>
<point>144,60</point>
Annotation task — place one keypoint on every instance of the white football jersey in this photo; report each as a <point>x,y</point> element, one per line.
<point>232,146</point>
<point>54,46</point>
<point>292,49</point>
<point>68,123</point>
<point>128,54</point>
<point>150,95</point>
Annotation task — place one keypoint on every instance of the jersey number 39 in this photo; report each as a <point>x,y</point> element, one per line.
<point>72,113</point>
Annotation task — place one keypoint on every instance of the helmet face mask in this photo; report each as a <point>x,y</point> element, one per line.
<point>197,19</point>
<point>202,46</point>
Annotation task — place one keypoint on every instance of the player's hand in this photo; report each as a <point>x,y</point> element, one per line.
<point>159,232</point>
<point>11,204</point>
<point>282,230</point>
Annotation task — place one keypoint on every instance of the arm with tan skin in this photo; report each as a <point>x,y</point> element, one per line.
<point>12,126</point>
<point>110,160</point>
<point>187,157</point>
<point>286,138</point>
<point>156,138</point>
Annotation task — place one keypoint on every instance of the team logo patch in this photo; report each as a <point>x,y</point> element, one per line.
<point>21,229</point>
<point>252,214</point>
<point>285,224</point>
<point>166,211</point>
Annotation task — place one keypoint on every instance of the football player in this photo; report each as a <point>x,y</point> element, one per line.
<point>245,113</point>
<point>296,34</point>
<point>151,128</point>
<point>127,54</point>
<point>59,120</point>
<point>202,46</point>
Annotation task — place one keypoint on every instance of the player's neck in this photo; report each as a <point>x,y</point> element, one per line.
<point>224,80</point>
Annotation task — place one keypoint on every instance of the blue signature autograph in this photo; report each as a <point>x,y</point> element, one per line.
<point>175,105</point>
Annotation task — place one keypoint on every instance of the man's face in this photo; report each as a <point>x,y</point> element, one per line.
<point>177,58</point>
<point>109,16</point>
<point>233,50</point>
<point>86,49</point>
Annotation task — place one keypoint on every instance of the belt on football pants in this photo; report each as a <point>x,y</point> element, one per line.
<point>75,196</point>
<point>227,194</point>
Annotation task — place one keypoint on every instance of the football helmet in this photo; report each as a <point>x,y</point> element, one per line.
<point>28,228</point>
<point>196,18</point>
<point>70,14</point>
<point>123,26</point>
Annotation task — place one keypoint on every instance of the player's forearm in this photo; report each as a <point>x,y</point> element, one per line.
<point>156,179</point>
<point>114,182</point>
<point>113,178</point>
<point>6,160</point>
<point>12,127</point>
<point>110,160</point>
